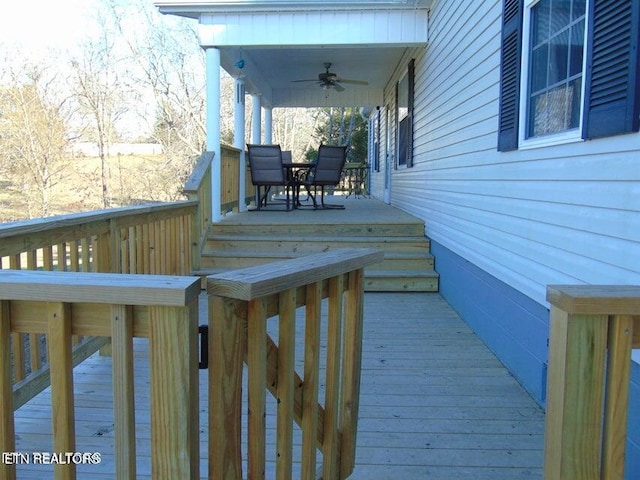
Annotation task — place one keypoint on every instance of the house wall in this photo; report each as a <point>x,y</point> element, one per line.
<point>504,225</point>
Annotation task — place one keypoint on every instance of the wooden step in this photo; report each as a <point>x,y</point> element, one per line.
<point>410,229</point>
<point>406,261</point>
<point>300,244</point>
<point>247,258</point>
<point>400,281</point>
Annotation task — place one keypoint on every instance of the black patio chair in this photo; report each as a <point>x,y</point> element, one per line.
<point>265,164</point>
<point>326,173</point>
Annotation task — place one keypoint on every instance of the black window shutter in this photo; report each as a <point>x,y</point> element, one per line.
<point>612,103</point>
<point>411,88</point>
<point>510,75</point>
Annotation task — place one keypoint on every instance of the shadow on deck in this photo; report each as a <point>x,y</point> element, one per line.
<point>435,403</point>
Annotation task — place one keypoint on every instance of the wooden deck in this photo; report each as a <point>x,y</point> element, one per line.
<point>435,404</point>
<point>357,210</point>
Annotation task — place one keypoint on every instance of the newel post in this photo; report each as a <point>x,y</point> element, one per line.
<point>173,361</point>
<point>227,346</point>
<point>591,336</point>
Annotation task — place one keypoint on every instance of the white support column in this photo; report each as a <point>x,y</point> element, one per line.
<point>213,128</point>
<point>239,140</point>
<point>268,125</point>
<point>256,119</point>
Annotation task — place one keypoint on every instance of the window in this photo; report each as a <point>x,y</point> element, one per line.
<point>376,139</point>
<point>577,75</point>
<point>404,117</point>
<point>555,54</point>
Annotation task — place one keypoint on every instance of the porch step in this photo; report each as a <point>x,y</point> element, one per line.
<point>405,229</point>
<point>214,259</point>
<point>252,238</point>
<point>400,281</point>
<point>297,245</point>
<point>407,265</point>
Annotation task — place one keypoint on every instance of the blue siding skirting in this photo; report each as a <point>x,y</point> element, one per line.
<point>512,325</point>
<point>516,329</point>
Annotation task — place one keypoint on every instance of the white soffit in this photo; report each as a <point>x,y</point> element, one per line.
<point>331,28</point>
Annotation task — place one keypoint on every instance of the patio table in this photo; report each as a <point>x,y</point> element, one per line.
<point>293,169</point>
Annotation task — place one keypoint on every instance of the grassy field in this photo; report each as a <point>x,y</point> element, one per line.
<point>132,179</point>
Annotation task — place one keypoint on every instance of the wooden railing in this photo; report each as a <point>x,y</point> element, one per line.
<point>240,302</point>
<point>198,189</point>
<point>354,179</point>
<point>148,239</point>
<point>161,308</point>
<point>198,185</point>
<point>230,181</point>
<point>593,329</point>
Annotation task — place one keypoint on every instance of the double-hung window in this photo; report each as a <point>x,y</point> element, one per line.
<point>569,71</point>
<point>554,54</point>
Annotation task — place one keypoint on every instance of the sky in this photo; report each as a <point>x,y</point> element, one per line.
<point>36,25</point>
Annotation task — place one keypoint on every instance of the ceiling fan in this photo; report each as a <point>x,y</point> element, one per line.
<point>329,79</point>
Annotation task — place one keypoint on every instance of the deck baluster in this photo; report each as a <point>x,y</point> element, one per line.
<point>286,385</point>
<point>62,403</point>
<point>7,436</point>
<point>311,377</point>
<point>123,392</point>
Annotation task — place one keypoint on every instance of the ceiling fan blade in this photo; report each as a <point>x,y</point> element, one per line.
<point>352,82</point>
<point>329,79</point>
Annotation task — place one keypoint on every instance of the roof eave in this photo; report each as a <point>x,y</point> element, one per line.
<point>193,8</point>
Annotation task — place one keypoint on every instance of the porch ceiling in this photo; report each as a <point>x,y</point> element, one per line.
<point>279,42</point>
<point>272,71</point>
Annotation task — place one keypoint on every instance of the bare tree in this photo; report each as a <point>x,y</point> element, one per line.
<point>169,66</point>
<point>100,91</point>
<point>33,135</point>
<point>293,128</point>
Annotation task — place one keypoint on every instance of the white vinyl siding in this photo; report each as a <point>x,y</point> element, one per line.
<point>562,214</point>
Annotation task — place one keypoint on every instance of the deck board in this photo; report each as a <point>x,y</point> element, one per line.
<point>435,404</point>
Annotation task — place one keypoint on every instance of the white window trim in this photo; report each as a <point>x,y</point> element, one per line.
<point>569,136</point>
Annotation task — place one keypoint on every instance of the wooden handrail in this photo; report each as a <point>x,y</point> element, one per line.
<point>240,302</point>
<point>199,173</point>
<point>161,308</point>
<point>23,235</point>
<point>593,330</point>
